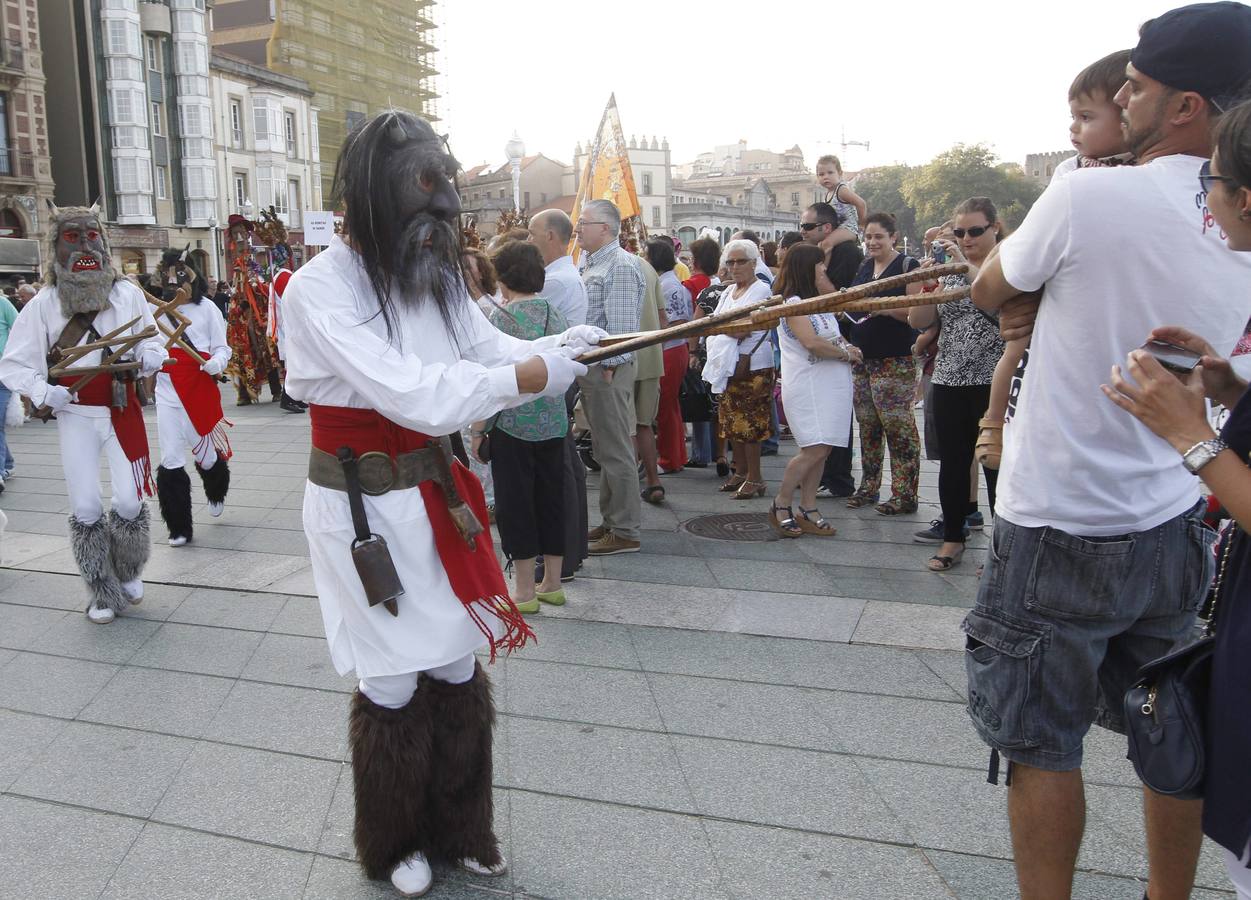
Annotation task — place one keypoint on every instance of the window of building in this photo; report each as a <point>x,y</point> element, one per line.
<point>288,125</point>
<point>6,158</point>
<point>152,51</point>
<point>236,123</point>
<point>526,201</point>
<point>655,216</point>
<point>502,194</point>
<point>475,197</point>
<point>647,182</point>
<point>241,189</point>
<point>260,119</point>
<point>156,119</point>
<point>294,207</point>
<point>794,198</point>
<point>162,193</point>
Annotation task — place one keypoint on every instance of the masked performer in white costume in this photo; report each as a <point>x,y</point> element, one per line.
<point>385,345</point>
<point>85,298</point>
<point>188,401</point>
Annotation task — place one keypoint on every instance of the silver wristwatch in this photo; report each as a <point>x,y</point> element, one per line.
<point>1201,454</point>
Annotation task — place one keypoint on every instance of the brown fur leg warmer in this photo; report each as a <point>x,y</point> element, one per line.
<point>391,768</point>
<point>461,807</point>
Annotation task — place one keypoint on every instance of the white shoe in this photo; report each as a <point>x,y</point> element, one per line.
<point>177,541</point>
<point>100,616</point>
<point>413,877</point>
<point>134,591</point>
<point>215,509</point>
<point>477,868</point>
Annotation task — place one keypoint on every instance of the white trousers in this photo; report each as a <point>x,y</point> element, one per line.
<point>176,434</point>
<point>82,438</point>
<point>1239,874</point>
<point>394,691</point>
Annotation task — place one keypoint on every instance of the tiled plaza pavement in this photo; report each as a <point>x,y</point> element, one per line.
<point>704,719</point>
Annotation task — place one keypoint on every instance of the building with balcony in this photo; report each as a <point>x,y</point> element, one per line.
<point>133,123</point>
<point>358,57</point>
<point>267,146</point>
<point>486,191</point>
<point>751,206</point>
<point>25,162</point>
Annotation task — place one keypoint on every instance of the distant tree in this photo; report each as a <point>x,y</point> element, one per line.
<point>882,190</point>
<point>964,171</point>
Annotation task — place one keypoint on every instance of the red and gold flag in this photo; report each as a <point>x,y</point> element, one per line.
<point>606,175</point>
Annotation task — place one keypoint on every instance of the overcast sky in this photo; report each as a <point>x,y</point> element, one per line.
<point>911,78</point>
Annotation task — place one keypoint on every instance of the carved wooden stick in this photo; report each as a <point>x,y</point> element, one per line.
<point>174,335</point>
<point>70,354</point>
<point>615,345</point>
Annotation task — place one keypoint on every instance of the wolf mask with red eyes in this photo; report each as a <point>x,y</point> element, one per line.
<point>81,264</point>
<point>396,181</point>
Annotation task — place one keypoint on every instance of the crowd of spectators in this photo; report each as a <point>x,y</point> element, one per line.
<point>1100,557</point>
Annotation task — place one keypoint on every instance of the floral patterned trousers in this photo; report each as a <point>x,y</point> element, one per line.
<point>883,403</point>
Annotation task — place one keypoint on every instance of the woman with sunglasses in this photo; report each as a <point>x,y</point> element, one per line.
<point>1174,408</point>
<point>969,347</point>
<point>747,401</point>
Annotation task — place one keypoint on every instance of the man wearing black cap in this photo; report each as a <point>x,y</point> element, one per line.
<point>1099,557</point>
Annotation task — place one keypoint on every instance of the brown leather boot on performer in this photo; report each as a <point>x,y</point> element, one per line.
<point>461,805</point>
<point>391,770</point>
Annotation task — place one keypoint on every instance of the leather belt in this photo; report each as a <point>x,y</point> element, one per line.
<point>378,472</point>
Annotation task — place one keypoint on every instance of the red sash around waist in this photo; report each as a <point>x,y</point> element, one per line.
<point>474,572</point>
<point>198,393</point>
<point>127,423</point>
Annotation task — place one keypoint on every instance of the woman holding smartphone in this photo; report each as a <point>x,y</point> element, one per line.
<point>1172,406</point>
<point>969,346</point>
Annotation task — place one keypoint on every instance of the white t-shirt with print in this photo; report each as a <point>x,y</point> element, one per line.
<point>1120,251</point>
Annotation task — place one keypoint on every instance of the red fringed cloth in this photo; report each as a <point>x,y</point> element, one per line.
<point>473,572</point>
<point>197,392</point>
<point>127,425</point>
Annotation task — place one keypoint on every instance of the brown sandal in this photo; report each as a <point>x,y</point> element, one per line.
<point>735,482</point>
<point>859,499</point>
<point>819,527</point>
<point>896,507</point>
<point>749,490</point>
<point>989,448</point>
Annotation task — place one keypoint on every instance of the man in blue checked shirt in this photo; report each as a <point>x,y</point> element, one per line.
<point>614,293</point>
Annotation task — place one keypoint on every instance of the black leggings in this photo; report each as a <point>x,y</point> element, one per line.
<point>956,411</point>
<point>529,495</point>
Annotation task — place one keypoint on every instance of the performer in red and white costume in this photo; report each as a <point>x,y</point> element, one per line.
<point>189,402</point>
<point>385,345</point>
<point>104,415</point>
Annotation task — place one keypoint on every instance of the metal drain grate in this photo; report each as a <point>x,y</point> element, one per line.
<point>731,527</point>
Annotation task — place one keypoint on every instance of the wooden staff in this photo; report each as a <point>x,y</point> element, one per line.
<point>72,354</point>
<point>108,365</point>
<point>739,317</point>
<point>174,336</point>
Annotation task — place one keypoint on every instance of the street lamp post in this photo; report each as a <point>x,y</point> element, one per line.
<point>515,150</point>
<point>217,259</point>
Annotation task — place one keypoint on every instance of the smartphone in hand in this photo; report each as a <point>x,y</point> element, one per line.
<point>1175,358</point>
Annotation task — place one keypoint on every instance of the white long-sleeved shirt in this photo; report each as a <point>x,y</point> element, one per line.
<point>24,366</point>
<point>207,333</point>
<point>425,378</point>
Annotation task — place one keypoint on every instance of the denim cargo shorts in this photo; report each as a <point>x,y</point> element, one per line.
<point>1063,623</point>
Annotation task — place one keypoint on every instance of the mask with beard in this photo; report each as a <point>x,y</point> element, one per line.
<point>176,270</point>
<point>82,267</point>
<point>395,178</point>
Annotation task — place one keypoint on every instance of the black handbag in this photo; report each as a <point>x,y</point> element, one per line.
<point>695,398</point>
<point>1166,710</point>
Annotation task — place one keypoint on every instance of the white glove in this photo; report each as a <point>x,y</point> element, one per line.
<point>151,360</point>
<point>582,338</point>
<point>57,397</point>
<point>561,371</point>
<point>213,366</point>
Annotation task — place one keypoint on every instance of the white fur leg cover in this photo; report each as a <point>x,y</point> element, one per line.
<point>90,544</point>
<point>131,543</point>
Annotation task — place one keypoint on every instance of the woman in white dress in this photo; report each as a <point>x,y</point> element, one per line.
<point>816,391</point>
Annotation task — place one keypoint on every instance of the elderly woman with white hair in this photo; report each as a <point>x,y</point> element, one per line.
<point>742,371</point>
